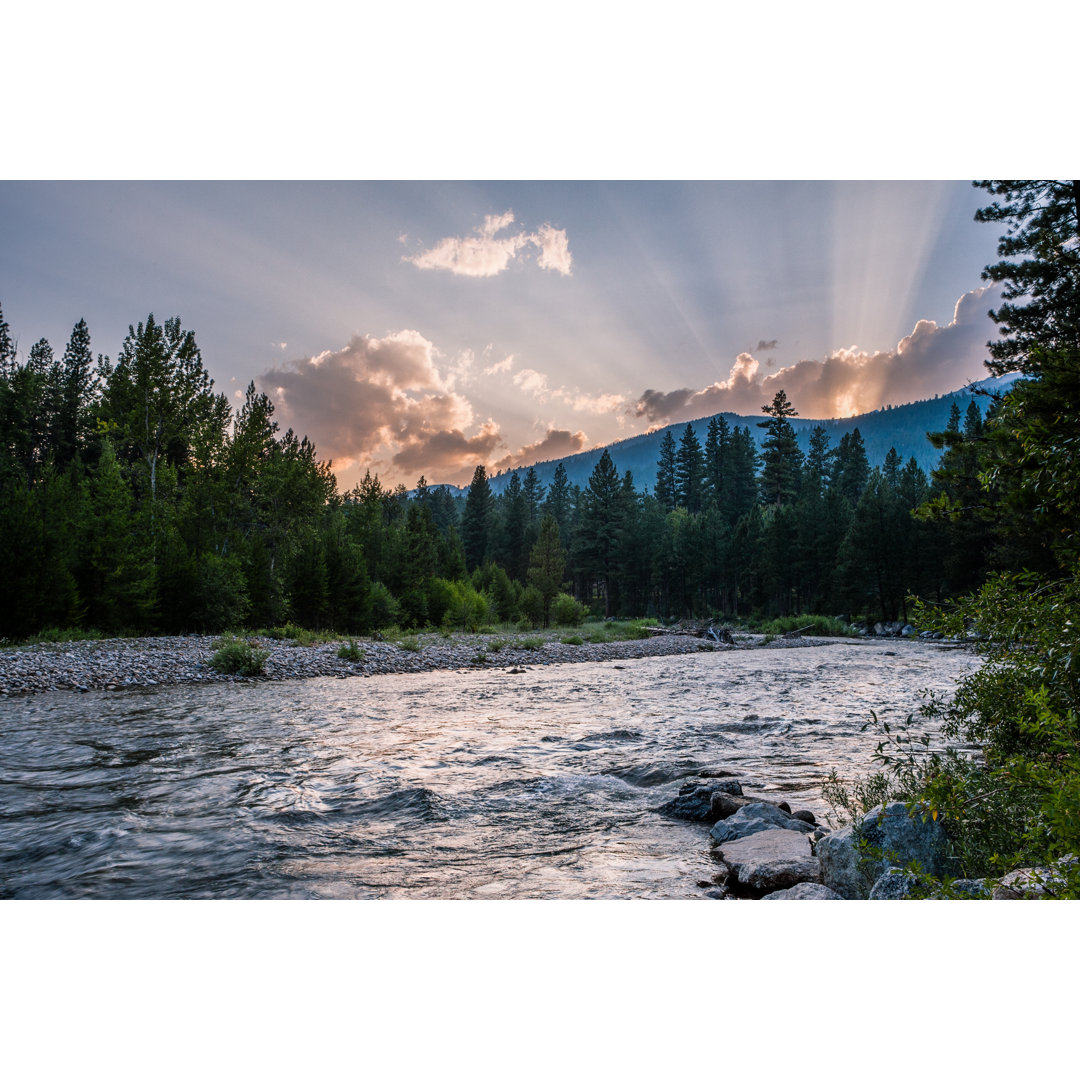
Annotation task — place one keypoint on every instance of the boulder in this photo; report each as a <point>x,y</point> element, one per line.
<point>849,865</point>
<point>972,889</point>
<point>840,865</point>
<point>694,801</point>
<point>894,884</point>
<point>1031,883</point>
<point>805,890</point>
<point>909,631</point>
<point>723,805</point>
<point>755,818</point>
<point>769,860</point>
<point>804,815</point>
<point>905,838</point>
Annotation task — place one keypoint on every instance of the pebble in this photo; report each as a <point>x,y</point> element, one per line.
<point>123,663</point>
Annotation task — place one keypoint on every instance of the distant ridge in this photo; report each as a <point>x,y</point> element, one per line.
<point>901,426</point>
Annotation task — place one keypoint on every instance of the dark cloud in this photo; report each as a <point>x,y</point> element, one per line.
<point>555,444</point>
<point>766,346</point>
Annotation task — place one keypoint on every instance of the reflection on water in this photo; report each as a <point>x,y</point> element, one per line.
<point>448,784</point>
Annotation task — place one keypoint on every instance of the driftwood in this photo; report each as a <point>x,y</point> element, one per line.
<point>720,635</point>
<point>792,634</point>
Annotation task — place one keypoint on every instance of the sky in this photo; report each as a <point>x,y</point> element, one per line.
<point>422,328</point>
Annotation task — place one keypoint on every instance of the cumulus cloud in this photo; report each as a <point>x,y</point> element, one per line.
<point>382,403</point>
<point>930,360</point>
<point>486,253</point>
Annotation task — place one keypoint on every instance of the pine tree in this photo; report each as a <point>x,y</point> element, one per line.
<point>476,521</point>
<point>690,472</point>
<point>1042,219</point>
<point>600,531</point>
<point>851,467</point>
<point>79,385</point>
<point>560,500</point>
<point>717,464</point>
<point>781,454</point>
<point>547,560</point>
<point>666,486</point>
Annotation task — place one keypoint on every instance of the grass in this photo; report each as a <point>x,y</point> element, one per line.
<point>410,643</point>
<point>235,656</point>
<point>350,652</point>
<point>530,644</point>
<point>573,639</point>
<point>617,630</point>
<point>810,625</point>
<point>55,636</point>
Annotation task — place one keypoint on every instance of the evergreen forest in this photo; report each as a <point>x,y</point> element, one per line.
<point>134,499</point>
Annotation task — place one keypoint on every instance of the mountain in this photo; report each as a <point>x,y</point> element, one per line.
<point>901,426</point>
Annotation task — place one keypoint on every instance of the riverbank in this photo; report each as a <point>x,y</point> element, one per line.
<point>123,663</point>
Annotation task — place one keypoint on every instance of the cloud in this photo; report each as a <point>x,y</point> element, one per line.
<point>382,403</point>
<point>555,444</point>
<point>930,360</point>
<point>766,346</point>
<point>486,253</point>
<point>501,367</point>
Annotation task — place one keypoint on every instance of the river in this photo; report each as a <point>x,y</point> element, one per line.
<point>449,784</point>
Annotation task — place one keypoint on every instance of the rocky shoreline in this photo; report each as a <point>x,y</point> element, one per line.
<point>126,663</point>
<point>767,851</point>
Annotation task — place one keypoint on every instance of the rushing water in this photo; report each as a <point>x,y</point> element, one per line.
<point>449,784</point>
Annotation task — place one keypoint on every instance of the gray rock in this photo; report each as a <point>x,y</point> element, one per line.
<point>805,890</point>
<point>1030,883</point>
<point>850,866</point>
<point>723,805</point>
<point>905,838</point>
<point>694,801</point>
<point>754,818</point>
<point>894,884</point>
<point>769,860</point>
<point>972,888</point>
<point>804,815</point>
<point>840,865</point>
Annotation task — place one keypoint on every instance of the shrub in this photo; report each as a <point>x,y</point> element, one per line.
<point>811,625</point>
<point>573,639</point>
<point>566,611</point>
<point>235,656</point>
<point>410,644</point>
<point>530,644</point>
<point>350,652</point>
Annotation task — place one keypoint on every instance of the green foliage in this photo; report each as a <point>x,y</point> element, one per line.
<point>235,656</point>
<point>573,639</point>
<point>566,611</point>
<point>55,635</point>
<point>530,644</point>
<point>410,644</point>
<point>809,625</point>
<point>351,652</point>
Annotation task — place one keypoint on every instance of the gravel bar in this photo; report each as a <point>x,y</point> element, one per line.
<point>123,663</point>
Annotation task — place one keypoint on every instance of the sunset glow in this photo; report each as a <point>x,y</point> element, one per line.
<point>412,328</point>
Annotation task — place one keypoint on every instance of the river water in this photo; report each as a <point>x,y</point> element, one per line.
<point>451,784</point>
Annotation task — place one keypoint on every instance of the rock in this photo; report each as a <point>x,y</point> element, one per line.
<point>805,890</point>
<point>851,870</point>
<point>694,801</point>
<point>894,884</point>
<point>723,805</point>
<point>972,888</point>
<point>908,631</point>
<point>754,818</point>
<point>786,807</point>
<point>804,815</point>
<point>769,860</point>
<point>1030,883</point>
<point>906,838</point>
<point>840,869</point>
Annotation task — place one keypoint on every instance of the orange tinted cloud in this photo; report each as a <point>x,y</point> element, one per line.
<point>930,360</point>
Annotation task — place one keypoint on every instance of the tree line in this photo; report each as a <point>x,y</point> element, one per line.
<point>135,499</point>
